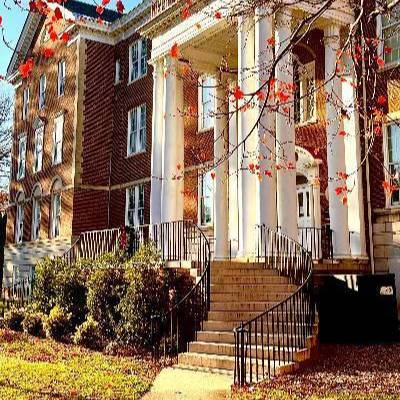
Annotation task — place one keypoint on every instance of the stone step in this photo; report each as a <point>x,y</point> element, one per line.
<point>253,295</point>
<point>228,363</point>
<point>250,271</point>
<point>281,353</point>
<point>236,264</point>
<point>241,306</point>
<point>248,280</point>
<point>253,288</point>
<point>247,315</point>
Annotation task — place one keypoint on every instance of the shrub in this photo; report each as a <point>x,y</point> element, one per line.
<point>58,324</point>
<point>13,319</point>
<point>106,287</point>
<point>88,334</point>
<point>33,323</point>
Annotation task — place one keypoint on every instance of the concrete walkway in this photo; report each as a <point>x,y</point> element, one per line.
<point>187,384</point>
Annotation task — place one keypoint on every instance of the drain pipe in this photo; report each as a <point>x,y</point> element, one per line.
<point>367,173</point>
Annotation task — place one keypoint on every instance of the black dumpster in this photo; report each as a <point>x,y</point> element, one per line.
<point>358,308</point>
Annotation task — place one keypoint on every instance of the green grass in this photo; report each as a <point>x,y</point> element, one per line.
<point>33,368</point>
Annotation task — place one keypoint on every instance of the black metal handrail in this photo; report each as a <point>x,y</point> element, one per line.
<point>270,340</point>
<point>318,241</point>
<point>179,242</point>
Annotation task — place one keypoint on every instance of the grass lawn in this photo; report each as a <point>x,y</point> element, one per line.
<point>32,368</point>
<point>341,372</point>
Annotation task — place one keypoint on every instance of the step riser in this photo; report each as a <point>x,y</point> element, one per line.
<point>271,288</point>
<point>249,315</point>
<point>229,326</point>
<point>233,306</point>
<point>249,280</point>
<point>243,272</point>
<point>251,296</point>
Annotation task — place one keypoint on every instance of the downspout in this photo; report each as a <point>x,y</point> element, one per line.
<point>367,173</point>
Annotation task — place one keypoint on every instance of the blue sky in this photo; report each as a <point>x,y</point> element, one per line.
<point>13,21</point>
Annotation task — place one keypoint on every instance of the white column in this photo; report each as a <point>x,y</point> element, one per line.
<point>247,129</point>
<point>266,185</point>
<point>233,175</point>
<point>157,143</point>
<point>353,162</point>
<point>173,145</point>
<point>338,212</point>
<point>221,136</point>
<point>285,132</point>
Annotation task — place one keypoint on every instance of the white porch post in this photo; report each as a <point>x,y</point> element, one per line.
<point>173,150</point>
<point>266,186</point>
<point>221,126</point>
<point>247,120</point>
<point>156,143</point>
<point>233,175</point>
<point>353,160</point>
<point>285,133</point>
<point>338,212</point>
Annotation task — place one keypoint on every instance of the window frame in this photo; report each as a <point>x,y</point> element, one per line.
<point>141,44</point>
<point>138,219</point>
<point>55,194</point>
<point>117,71</point>
<point>19,218</point>
<point>25,103</point>
<point>60,153</point>
<point>200,124</point>
<point>21,164</point>
<point>36,217</point>
<point>42,91</point>
<point>36,169</point>
<point>61,79</point>
<point>380,28</point>
<point>201,178</point>
<point>141,125</point>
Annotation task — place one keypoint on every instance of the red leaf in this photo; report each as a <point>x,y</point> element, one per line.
<point>387,50</point>
<point>120,7</point>
<point>53,35</point>
<point>212,175</point>
<point>344,200</point>
<point>260,95</point>
<point>105,2</point>
<point>185,13</point>
<point>342,133</point>
<point>26,69</point>
<point>380,62</point>
<point>174,51</point>
<point>58,13</point>
<point>271,41</point>
<point>218,15</point>
<point>65,37</point>
<point>381,100</point>
<point>238,94</point>
<point>47,52</point>
<point>1,20</point>
<point>99,10</point>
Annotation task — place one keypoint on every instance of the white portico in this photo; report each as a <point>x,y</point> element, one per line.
<point>259,176</point>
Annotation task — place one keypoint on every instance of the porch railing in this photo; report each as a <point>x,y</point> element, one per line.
<point>318,241</point>
<point>179,241</point>
<point>159,6</point>
<point>271,339</point>
<point>16,293</point>
<point>93,244</point>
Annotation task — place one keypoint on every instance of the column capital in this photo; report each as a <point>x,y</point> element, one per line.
<point>331,34</point>
<point>284,17</point>
<point>158,66</point>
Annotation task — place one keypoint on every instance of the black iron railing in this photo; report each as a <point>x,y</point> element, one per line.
<point>318,241</point>
<point>92,245</point>
<point>266,343</point>
<point>179,242</point>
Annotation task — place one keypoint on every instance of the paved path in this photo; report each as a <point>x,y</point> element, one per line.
<point>186,384</point>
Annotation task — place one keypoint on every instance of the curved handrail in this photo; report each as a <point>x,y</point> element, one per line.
<point>277,333</point>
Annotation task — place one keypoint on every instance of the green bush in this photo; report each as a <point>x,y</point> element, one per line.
<point>106,287</point>
<point>88,334</point>
<point>58,324</point>
<point>13,319</point>
<point>33,323</point>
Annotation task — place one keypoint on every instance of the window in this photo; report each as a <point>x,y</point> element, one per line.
<point>117,72</point>
<point>58,139</point>
<point>61,78</point>
<point>134,214</point>
<point>19,218</point>
<point>206,199</point>
<point>137,60</point>
<point>305,94</point>
<point>55,222</point>
<point>21,157</point>
<point>206,102</point>
<point>393,158</point>
<point>137,130</point>
<point>38,151</point>
<point>36,213</point>
<point>42,92</point>
<point>25,104</point>
<point>391,35</point>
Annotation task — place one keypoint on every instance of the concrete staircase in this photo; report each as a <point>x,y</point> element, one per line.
<point>240,291</point>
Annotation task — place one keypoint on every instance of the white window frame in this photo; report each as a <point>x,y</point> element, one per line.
<point>140,49</point>
<point>19,219</point>
<point>25,103</point>
<point>306,71</point>
<point>206,82</point>
<point>61,78</point>
<point>36,216</point>
<point>42,91</point>
<point>201,179</point>
<point>38,151</point>
<point>381,34</point>
<point>21,165</point>
<point>136,139</point>
<point>55,221</point>
<point>117,71</point>
<point>388,199</point>
<point>58,140</point>
<point>138,209</point>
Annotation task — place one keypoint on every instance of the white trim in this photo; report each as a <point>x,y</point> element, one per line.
<point>38,130</point>
<point>305,71</point>
<point>136,217</point>
<point>20,176</point>
<point>141,73</point>
<point>200,178</point>
<point>200,116</point>
<point>139,147</point>
<point>59,160</point>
